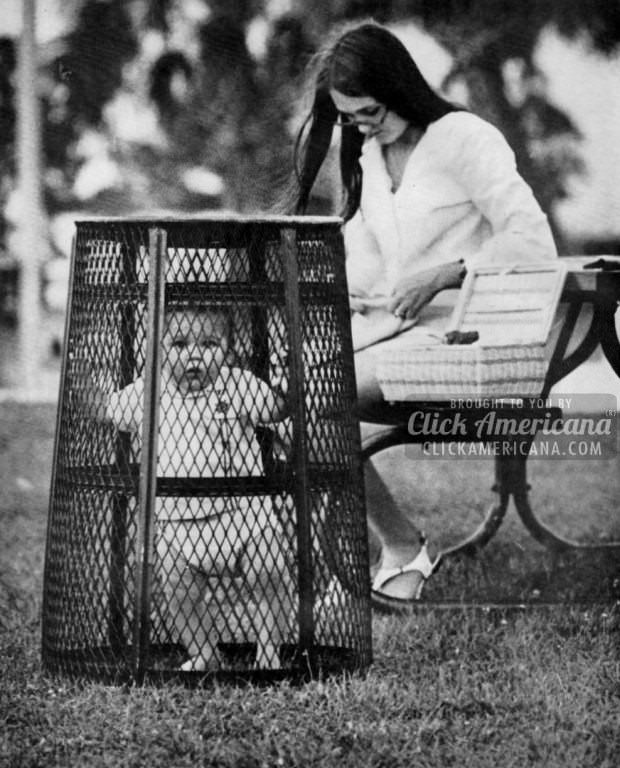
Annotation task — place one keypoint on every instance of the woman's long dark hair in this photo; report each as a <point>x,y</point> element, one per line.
<point>368,60</point>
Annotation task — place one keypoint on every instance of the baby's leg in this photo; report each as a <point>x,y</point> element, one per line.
<point>274,621</point>
<point>270,582</point>
<point>185,585</point>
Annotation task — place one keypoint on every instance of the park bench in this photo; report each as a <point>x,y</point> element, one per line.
<point>588,282</point>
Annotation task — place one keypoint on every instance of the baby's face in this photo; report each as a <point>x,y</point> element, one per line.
<point>195,345</point>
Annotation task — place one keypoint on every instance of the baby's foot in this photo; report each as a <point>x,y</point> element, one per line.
<point>267,656</point>
<point>196,664</point>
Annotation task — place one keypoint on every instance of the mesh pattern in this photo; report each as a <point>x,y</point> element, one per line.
<point>206,515</point>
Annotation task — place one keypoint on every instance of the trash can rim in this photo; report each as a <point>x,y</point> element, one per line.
<point>213,217</point>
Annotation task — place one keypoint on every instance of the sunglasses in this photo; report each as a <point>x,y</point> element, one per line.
<point>372,116</point>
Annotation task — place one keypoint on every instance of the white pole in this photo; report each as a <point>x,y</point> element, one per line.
<point>29,240</point>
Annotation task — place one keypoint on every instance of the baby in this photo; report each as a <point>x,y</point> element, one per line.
<point>217,555</point>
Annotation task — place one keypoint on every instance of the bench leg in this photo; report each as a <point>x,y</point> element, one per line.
<point>383,439</point>
<point>511,478</point>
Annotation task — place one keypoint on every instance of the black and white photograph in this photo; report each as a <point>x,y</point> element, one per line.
<point>309,378</point>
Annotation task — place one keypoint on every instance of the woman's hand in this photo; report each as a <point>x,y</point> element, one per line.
<point>415,291</point>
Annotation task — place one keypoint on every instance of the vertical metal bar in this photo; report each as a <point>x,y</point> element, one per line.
<point>300,443</point>
<point>258,277</point>
<point>148,457</point>
<point>604,317</point>
<point>116,587</point>
<point>120,501</point>
<point>260,332</point>
<point>343,318</point>
<point>574,310</point>
<point>62,397</point>
<point>364,621</point>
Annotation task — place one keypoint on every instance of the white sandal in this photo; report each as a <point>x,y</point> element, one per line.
<point>421,564</point>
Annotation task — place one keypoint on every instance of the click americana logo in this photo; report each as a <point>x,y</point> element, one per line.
<point>567,426</point>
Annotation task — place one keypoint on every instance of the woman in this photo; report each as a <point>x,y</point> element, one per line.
<point>429,190</point>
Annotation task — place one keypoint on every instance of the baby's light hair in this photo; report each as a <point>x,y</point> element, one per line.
<point>192,306</point>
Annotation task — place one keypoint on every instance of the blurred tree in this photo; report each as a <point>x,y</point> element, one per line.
<point>233,117</point>
<point>82,80</point>
<point>170,78</point>
<point>99,46</point>
<point>7,124</point>
<point>226,109</point>
<point>156,14</point>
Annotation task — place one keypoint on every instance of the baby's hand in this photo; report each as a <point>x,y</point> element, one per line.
<point>279,378</point>
<point>84,394</point>
<point>279,385</point>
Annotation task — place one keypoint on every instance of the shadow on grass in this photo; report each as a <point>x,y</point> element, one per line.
<point>506,573</point>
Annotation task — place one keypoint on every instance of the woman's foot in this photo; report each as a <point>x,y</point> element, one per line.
<point>398,587</point>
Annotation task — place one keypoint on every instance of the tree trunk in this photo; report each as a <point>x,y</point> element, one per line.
<point>29,241</point>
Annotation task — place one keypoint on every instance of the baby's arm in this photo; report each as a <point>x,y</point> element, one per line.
<point>120,408</point>
<point>263,403</point>
<point>270,404</point>
<point>279,392</point>
<point>124,407</point>
<point>85,394</point>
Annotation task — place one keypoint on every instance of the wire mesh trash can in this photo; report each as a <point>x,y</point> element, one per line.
<point>207,518</point>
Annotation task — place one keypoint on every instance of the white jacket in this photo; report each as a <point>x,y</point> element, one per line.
<point>461,197</point>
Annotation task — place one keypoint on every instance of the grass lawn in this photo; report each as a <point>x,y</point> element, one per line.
<point>472,685</point>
